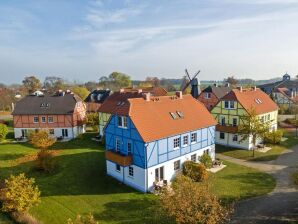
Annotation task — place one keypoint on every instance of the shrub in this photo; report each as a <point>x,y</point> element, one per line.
<point>273,137</point>
<point>45,161</point>
<point>19,194</point>
<point>197,172</point>
<point>3,132</point>
<point>88,219</point>
<point>41,139</point>
<point>206,160</point>
<point>24,218</point>
<point>188,202</point>
<point>93,119</point>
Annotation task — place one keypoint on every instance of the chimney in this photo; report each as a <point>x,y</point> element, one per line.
<point>292,94</point>
<point>255,88</point>
<point>227,84</point>
<point>140,90</point>
<point>147,96</point>
<point>240,88</point>
<point>179,94</point>
<point>121,90</point>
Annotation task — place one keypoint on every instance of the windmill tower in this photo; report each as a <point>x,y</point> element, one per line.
<point>195,84</point>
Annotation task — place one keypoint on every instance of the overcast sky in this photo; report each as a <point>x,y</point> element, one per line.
<point>83,40</point>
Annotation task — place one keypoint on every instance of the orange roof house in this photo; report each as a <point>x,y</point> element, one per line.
<point>231,109</point>
<point>148,139</point>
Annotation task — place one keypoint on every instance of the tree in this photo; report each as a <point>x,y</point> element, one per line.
<point>31,83</point>
<point>191,203</point>
<point>154,81</point>
<point>19,194</point>
<point>115,81</point>
<point>41,139</point>
<point>232,81</point>
<point>53,83</point>
<point>80,91</point>
<point>3,132</point>
<point>88,219</point>
<point>252,126</point>
<point>91,85</point>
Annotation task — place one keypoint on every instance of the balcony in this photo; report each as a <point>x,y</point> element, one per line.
<point>226,128</point>
<point>122,160</point>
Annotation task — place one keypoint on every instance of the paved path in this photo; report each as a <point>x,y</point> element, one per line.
<point>279,206</point>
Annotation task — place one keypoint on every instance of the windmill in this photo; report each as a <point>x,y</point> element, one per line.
<point>194,82</point>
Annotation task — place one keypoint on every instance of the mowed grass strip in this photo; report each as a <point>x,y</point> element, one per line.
<point>80,185</point>
<point>244,154</point>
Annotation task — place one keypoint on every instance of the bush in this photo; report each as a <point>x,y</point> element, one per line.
<point>45,161</point>
<point>3,132</point>
<point>88,219</point>
<point>273,137</point>
<point>93,119</point>
<point>206,160</point>
<point>23,218</point>
<point>188,202</point>
<point>19,194</point>
<point>197,172</point>
<point>41,139</point>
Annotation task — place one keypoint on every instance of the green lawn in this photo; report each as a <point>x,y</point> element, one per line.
<point>80,185</point>
<point>259,156</point>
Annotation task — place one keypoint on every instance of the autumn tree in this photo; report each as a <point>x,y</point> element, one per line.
<point>53,83</point>
<point>188,202</point>
<point>41,139</point>
<point>254,127</point>
<point>88,219</point>
<point>232,81</point>
<point>115,80</point>
<point>31,83</point>
<point>3,132</point>
<point>80,91</point>
<point>154,81</point>
<point>19,194</point>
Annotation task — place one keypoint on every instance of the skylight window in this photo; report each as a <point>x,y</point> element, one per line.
<point>180,114</point>
<point>258,101</point>
<point>174,116</point>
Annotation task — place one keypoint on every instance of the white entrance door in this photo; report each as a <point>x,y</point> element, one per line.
<point>159,174</point>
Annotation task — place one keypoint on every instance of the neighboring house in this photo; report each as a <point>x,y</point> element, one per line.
<point>234,106</point>
<point>149,138</point>
<point>62,114</point>
<point>285,97</point>
<point>286,82</point>
<point>211,95</point>
<point>95,99</point>
<point>117,99</point>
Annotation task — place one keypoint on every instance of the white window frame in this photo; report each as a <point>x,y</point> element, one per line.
<point>185,140</point>
<point>50,119</point>
<point>229,103</point>
<point>34,119</point>
<point>177,167</point>
<point>43,119</point>
<point>193,158</point>
<point>123,121</point>
<point>234,125</point>
<point>176,143</point>
<point>194,137</point>
<point>130,171</point>
<point>207,95</point>
<point>129,151</point>
<point>236,138</point>
<point>116,145</point>
<point>224,136</point>
<point>118,170</point>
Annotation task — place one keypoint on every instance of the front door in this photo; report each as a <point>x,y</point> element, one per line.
<point>159,174</point>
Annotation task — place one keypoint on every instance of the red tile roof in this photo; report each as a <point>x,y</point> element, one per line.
<point>112,103</point>
<point>153,120</point>
<point>249,99</point>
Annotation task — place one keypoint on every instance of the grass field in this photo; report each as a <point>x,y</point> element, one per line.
<point>80,185</point>
<point>259,156</point>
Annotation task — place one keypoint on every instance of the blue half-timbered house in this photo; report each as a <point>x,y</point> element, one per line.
<point>148,139</point>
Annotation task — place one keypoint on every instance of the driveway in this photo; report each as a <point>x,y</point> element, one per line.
<point>279,206</point>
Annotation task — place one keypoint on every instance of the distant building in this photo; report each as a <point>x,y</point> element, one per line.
<point>237,104</point>
<point>95,99</point>
<point>211,95</point>
<point>114,102</point>
<point>149,138</point>
<point>282,92</point>
<point>62,114</point>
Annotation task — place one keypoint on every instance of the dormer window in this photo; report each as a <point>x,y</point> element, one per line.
<point>122,122</point>
<point>42,105</point>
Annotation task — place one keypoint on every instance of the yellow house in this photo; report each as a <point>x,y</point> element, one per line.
<point>231,109</point>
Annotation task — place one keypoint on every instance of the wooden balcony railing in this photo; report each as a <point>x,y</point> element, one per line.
<point>122,160</point>
<point>227,128</point>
